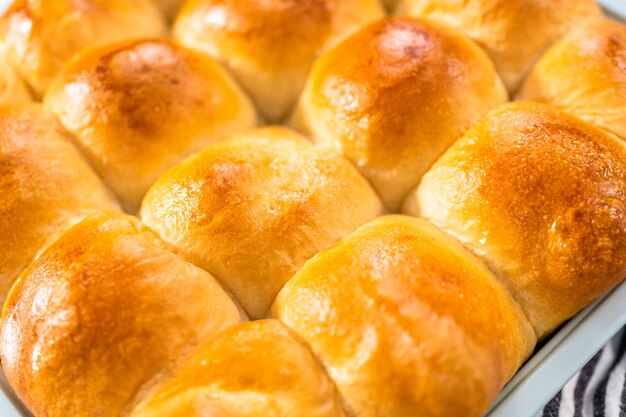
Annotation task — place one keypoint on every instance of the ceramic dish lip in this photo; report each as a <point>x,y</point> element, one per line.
<point>562,356</point>
<point>544,374</point>
<point>615,8</point>
<point>4,4</point>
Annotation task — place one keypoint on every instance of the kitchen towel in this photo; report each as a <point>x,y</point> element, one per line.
<point>598,390</point>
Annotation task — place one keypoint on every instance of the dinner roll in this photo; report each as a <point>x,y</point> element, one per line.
<point>40,35</point>
<point>394,96</point>
<point>45,187</point>
<point>138,107</point>
<point>585,74</point>
<point>254,369</point>
<point>104,310</point>
<point>270,46</point>
<point>253,209</point>
<point>513,32</point>
<point>407,321</point>
<point>541,197</point>
<point>13,92</point>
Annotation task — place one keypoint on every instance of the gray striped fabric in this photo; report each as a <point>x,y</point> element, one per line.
<point>598,390</point>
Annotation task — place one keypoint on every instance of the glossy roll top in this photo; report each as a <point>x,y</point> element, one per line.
<point>406,319</point>
<point>253,209</point>
<point>513,32</point>
<point>394,96</point>
<point>100,314</point>
<point>255,369</point>
<point>41,35</point>
<point>45,187</point>
<point>138,107</point>
<point>270,45</point>
<point>541,196</point>
<point>585,75</point>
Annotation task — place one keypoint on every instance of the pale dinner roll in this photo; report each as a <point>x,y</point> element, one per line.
<point>407,321</point>
<point>585,74</point>
<point>541,196</point>
<point>13,92</point>
<point>40,35</point>
<point>253,209</point>
<point>138,107</point>
<point>45,187</point>
<point>270,45</point>
<point>513,32</point>
<point>394,96</point>
<point>103,311</point>
<point>254,369</point>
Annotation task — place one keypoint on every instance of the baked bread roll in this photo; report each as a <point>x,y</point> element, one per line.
<point>138,107</point>
<point>215,379</point>
<point>13,92</point>
<point>45,187</point>
<point>253,209</point>
<point>40,35</point>
<point>406,319</point>
<point>270,46</point>
<point>100,314</point>
<point>541,197</point>
<point>585,75</point>
<point>394,96</point>
<point>513,32</point>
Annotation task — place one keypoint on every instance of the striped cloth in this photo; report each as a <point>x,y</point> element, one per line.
<point>598,390</point>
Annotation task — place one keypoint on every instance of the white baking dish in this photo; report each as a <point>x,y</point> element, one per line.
<point>544,374</point>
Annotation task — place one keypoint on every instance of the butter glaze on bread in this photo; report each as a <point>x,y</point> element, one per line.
<point>270,46</point>
<point>45,187</point>
<point>138,107</point>
<point>513,32</point>
<point>394,96</point>
<point>541,196</point>
<point>405,320</point>
<point>103,311</point>
<point>253,209</point>
<point>41,35</point>
<point>215,378</point>
<point>585,74</point>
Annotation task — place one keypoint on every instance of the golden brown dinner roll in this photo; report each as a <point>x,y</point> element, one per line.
<point>253,209</point>
<point>254,369</point>
<point>45,187</point>
<point>513,32</point>
<point>394,96</point>
<point>138,107</point>
<point>407,321</point>
<point>104,310</point>
<point>13,92</point>
<point>585,74</point>
<point>270,45</point>
<point>40,35</point>
<point>541,196</point>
